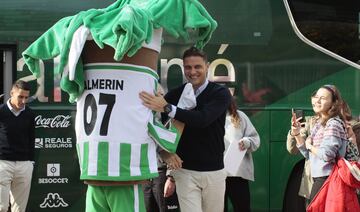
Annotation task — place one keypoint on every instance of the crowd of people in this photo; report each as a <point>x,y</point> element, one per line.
<point>209,129</point>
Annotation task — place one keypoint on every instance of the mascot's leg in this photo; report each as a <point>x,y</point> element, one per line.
<point>125,198</point>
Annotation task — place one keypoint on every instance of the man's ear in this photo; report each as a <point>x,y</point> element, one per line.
<point>207,65</point>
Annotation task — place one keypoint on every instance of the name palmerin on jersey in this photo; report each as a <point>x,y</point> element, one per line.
<point>107,84</point>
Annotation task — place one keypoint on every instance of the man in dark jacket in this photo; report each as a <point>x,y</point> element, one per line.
<point>200,183</point>
<point>17,137</point>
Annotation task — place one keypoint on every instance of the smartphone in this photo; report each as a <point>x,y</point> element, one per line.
<point>298,114</point>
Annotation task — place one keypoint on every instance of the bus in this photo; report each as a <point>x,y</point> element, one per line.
<point>271,54</point>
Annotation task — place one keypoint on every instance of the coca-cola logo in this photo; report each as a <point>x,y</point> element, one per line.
<point>59,121</point>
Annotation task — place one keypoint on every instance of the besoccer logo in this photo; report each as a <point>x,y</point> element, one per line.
<point>53,173</point>
<point>53,169</point>
<point>53,200</point>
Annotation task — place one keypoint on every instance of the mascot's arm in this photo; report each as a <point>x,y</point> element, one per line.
<point>48,46</point>
<point>179,17</point>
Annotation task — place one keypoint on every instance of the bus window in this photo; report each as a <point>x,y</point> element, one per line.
<point>330,26</point>
<point>7,67</point>
<point>242,22</point>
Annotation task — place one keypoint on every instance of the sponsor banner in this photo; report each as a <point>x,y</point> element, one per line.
<point>53,143</point>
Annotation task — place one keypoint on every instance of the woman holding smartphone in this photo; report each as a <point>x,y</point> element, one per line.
<point>328,137</point>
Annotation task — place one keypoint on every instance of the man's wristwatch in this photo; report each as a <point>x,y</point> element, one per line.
<point>167,108</point>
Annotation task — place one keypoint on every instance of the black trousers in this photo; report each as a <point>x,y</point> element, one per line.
<point>237,190</point>
<point>318,182</point>
<point>154,193</point>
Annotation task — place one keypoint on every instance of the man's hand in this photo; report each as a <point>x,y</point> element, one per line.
<point>169,187</point>
<point>171,159</point>
<point>153,102</point>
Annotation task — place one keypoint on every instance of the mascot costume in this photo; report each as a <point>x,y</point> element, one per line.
<point>107,57</point>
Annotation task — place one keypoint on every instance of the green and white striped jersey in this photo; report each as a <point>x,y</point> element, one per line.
<point>115,132</point>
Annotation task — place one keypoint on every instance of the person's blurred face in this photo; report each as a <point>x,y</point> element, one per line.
<point>18,98</point>
<point>322,101</point>
<point>195,69</point>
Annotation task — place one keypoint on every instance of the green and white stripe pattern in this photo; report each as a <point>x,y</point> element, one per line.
<point>117,162</point>
<point>115,139</point>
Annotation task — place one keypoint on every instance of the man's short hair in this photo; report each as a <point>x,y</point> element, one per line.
<point>193,51</point>
<point>20,84</point>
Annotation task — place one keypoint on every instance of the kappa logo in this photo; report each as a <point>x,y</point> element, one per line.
<point>53,200</point>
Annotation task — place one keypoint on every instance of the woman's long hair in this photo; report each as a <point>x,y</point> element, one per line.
<point>235,118</point>
<point>338,108</point>
<point>346,111</point>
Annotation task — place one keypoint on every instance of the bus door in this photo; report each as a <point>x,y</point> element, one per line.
<point>7,70</point>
